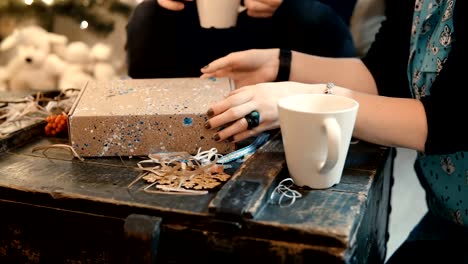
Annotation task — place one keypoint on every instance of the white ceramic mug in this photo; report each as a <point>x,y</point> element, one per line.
<point>218,13</point>
<point>316,131</point>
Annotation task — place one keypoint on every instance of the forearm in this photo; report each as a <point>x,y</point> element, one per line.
<point>388,121</point>
<point>346,72</point>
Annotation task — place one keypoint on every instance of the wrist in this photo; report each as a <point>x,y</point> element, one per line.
<point>284,66</point>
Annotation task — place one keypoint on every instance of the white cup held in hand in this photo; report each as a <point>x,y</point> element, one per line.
<point>316,131</point>
<point>218,13</point>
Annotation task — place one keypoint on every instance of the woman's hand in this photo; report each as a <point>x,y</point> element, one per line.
<point>173,4</point>
<point>245,67</point>
<point>262,8</point>
<point>230,112</point>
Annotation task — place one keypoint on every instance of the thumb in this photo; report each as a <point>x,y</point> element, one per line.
<point>218,74</point>
<point>225,63</point>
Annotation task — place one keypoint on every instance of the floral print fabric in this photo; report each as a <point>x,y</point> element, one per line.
<point>444,177</point>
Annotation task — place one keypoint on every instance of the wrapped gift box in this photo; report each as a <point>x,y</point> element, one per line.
<point>136,117</point>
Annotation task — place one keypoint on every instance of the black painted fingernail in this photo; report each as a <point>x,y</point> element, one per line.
<point>210,112</point>
<point>216,137</point>
<point>207,125</point>
<point>230,139</point>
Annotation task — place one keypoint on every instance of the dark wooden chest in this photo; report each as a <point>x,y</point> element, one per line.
<point>60,210</point>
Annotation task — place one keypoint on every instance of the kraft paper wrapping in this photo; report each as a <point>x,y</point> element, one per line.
<point>136,117</point>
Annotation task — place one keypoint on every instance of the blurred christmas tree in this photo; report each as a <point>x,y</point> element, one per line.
<point>96,15</point>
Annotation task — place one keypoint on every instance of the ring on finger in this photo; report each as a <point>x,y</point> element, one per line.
<point>253,119</point>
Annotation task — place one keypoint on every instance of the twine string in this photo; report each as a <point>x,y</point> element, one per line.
<point>283,194</point>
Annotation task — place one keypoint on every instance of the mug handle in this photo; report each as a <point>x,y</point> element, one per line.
<point>333,131</point>
<point>241,7</point>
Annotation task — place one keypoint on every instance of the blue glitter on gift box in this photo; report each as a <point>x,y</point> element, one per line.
<point>188,121</point>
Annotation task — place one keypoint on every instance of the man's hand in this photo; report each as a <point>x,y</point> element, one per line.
<point>174,5</point>
<point>260,8</point>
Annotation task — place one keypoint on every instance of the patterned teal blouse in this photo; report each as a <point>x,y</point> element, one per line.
<point>444,177</point>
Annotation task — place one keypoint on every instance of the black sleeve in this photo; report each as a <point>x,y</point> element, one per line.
<point>295,21</point>
<point>387,58</point>
<point>343,8</point>
<point>156,39</point>
<point>446,107</point>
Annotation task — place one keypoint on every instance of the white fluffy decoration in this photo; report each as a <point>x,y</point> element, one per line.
<point>45,61</point>
<point>33,67</point>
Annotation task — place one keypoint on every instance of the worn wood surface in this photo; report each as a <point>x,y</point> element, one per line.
<point>337,225</point>
<point>248,190</point>
<point>22,136</point>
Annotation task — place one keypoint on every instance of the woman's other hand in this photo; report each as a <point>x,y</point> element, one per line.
<point>174,5</point>
<point>262,8</point>
<point>245,67</point>
<point>230,112</point>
